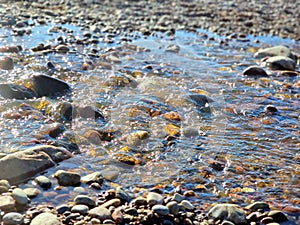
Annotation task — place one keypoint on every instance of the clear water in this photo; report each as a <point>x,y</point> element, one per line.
<point>259,153</point>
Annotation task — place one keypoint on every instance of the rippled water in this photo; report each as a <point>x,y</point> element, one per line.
<point>230,149</point>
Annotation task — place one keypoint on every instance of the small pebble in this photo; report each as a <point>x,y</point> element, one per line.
<point>13,218</point>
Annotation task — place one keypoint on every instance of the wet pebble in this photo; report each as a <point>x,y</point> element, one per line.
<point>258,205</point>
<point>4,186</point>
<point>13,218</point>
<point>154,198</point>
<point>7,203</point>
<point>173,207</point>
<point>229,212</point>
<point>278,216</point>
<point>80,208</point>
<point>84,200</point>
<point>95,177</point>
<point>66,178</point>
<point>32,192</point>
<point>45,219</point>
<point>279,50</point>
<point>281,63</point>
<point>160,209</point>
<point>187,204</point>
<point>62,208</point>
<point>43,182</point>
<point>20,196</point>
<point>100,213</point>
<point>255,71</point>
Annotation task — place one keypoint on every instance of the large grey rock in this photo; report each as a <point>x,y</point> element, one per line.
<point>229,212</point>
<point>45,219</point>
<point>20,166</point>
<point>281,63</point>
<point>16,91</point>
<point>279,50</point>
<point>44,85</point>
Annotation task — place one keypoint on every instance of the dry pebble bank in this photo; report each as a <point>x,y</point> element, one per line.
<point>234,19</point>
<point>95,198</point>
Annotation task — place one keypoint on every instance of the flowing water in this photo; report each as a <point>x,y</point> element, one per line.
<point>227,150</point>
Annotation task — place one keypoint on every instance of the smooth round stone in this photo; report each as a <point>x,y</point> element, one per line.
<point>20,196</point>
<point>187,204</point>
<point>108,222</point>
<point>278,216</point>
<point>113,202</point>
<point>177,197</point>
<point>13,218</point>
<point>173,207</point>
<point>229,212</point>
<point>7,203</point>
<point>6,63</point>
<point>100,213</point>
<point>79,190</point>
<point>160,210</point>
<point>95,177</point>
<point>82,209</point>
<point>4,186</point>
<point>122,195</point>
<point>281,63</point>
<point>154,198</point>
<point>279,50</point>
<point>258,205</point>
<point>139,201</point>
<point>62,208</point>
<point>45,219</point>
<point>43,182</point>
<point>255,71</point>
<point>32,192</point>
<point>225,222</point>
<point>85,200</point>
<point>65,178</point>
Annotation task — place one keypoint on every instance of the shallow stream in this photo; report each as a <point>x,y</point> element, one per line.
<point>226,150</point>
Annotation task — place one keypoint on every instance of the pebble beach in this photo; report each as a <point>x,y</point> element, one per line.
<point>149,112</point>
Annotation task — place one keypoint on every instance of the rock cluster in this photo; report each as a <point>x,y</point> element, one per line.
<point>117,206</point>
